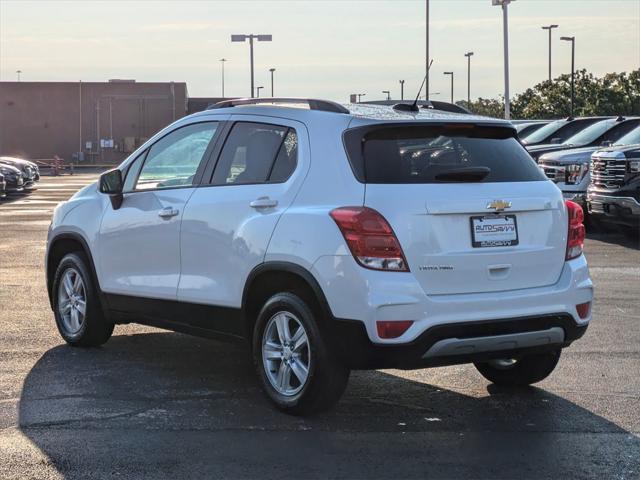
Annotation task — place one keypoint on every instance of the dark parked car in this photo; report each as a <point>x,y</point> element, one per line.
<point>3,186</point>
<point>13,178</point>
<point>613,196</point>
<point>603,133</point>
<point>559,131</point>
<point>30,171</point>
<point>525,129</point>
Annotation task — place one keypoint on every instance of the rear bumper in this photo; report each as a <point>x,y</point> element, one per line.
<point>367,296</point>
<point>456,343</point>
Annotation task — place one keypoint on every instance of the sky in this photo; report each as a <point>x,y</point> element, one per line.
<point>325,49</point>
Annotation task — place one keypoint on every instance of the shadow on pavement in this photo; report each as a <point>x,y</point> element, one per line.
<point>616,238</point>
<point>165,405</point>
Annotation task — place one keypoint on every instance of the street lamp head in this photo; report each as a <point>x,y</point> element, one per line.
<point>239,38</point>
<point>549,27</point>
<point>223,59</point>
<point>568,39</point>
<point>496,3</point>
<point>272,69</point>
<point>448,73</point>
<point>264,38</point>
<point>468,54</point>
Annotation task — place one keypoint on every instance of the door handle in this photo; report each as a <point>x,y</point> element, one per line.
<point>263,202</point>
<point>168,212</point>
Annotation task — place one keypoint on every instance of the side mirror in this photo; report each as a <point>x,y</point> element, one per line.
<point>111,184</point>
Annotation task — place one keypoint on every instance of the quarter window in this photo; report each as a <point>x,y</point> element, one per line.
<point>257,153</point>
<point>174,159</point>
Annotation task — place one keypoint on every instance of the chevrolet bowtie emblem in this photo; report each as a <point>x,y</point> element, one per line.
<point>498,205</point>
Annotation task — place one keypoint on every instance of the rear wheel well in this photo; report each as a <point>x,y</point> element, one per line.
<point>268,283</point>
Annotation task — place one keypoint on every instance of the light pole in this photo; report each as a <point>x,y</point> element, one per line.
<point>401,89</point>
<point>222,60</point>
<point>272,70</point>
<point>427,63</point>
<point>360,95</point>
<point>505,27</point>
<point>573,68</point>
<point>468,55</point>
<point>251,37</point>
<point>550,27</point>
<point>18,72</point>
<point>388,94</point>
<point>450,73</point>
<point>258,92</point>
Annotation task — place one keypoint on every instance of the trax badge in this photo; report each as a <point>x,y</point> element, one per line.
<point>499,205</point>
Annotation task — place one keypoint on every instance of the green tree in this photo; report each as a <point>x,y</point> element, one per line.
<point>612,94</point>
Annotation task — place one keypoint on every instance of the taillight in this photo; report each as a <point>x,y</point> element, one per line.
<point>575,238</point>
<point>370,238</point>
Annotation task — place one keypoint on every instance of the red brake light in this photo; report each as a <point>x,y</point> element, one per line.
<point>576,234</point>
<point>392,329</point>
<point>370,238</point>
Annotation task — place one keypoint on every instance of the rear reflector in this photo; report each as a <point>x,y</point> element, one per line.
<point>392,329</point>
<point>576,233</point>
<point>583,309</point>
<point>370,238</point>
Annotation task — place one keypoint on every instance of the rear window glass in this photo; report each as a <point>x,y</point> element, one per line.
<point>439,154</point>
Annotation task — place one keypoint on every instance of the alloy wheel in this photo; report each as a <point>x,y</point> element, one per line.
<point>72,301</point>
<point>286,355</point>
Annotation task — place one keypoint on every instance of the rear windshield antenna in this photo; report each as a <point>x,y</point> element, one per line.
<point>413,107</point>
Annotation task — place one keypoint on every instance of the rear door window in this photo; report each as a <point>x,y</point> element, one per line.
<point>439,154</point>
<point>256,153</point>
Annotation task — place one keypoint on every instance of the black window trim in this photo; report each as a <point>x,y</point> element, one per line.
<point>197,178</point>
<point>215,159</point>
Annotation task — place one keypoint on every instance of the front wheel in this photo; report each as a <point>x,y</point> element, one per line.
<point>293,361</point>
<point>520,371</point>
<point>76,304</point>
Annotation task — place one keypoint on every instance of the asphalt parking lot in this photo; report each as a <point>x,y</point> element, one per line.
<point>156,404</point>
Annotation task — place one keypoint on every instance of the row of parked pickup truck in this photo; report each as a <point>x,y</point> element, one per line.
<point>17,175</point>
<point>595,161</point>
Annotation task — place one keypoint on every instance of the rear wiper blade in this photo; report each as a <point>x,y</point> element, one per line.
<point>464,174</point>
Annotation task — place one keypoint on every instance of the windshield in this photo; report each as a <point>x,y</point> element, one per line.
<point>591,133</point>
<point>544,132</point>
<point>630,138</point>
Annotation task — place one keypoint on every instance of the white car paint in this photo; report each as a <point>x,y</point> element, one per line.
<point>205,254</point>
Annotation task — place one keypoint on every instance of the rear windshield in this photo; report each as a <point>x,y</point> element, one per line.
<point>439,154</point>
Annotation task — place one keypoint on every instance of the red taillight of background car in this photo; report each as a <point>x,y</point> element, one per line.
<point>575,238</point>
<point>370,238</point>
<point>392,328</point>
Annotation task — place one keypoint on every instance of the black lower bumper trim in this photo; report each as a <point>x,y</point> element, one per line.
<point>358,352</point>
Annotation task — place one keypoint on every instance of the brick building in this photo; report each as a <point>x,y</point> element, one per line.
<point>91,122</point>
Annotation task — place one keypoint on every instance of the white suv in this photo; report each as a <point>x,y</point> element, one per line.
<point>332,239</point>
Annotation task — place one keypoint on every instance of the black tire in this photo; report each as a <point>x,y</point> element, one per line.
<point>95,329</point>
<point>327,377</point>
<point>525,371</point>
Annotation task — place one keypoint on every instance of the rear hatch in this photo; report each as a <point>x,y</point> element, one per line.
<point>470,208</point>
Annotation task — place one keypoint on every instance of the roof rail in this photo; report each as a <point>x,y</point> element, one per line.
<point>322,105</point>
